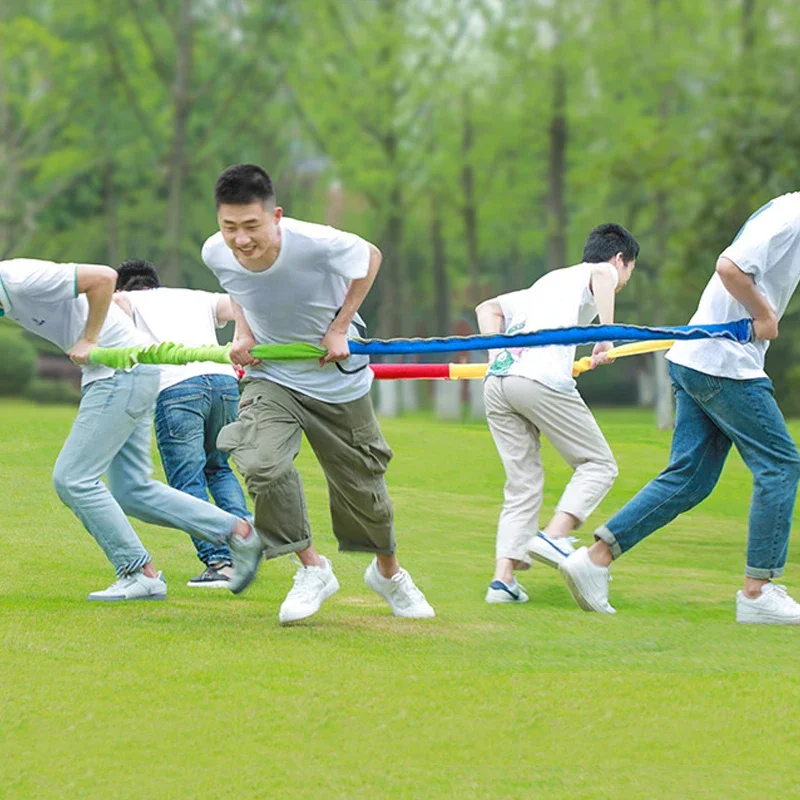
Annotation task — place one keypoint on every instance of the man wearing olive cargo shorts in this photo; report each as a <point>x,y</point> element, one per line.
<point>294,281</point>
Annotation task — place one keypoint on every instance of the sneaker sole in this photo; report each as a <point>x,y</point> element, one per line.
<point>575,591</point>
<point>209,584</point>
<point>769,621</point>
<point>329,591</point>
<point>125,599</point>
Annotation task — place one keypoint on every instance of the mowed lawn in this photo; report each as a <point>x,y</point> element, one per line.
<point>206,696</point>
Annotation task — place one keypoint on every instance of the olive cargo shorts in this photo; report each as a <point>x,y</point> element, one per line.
<point>350,448</point>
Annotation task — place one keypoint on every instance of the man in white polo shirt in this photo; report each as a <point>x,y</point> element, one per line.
<point>295,281</point>
<point>195,401</point>
<point>723,397</point>
<point>70,305</point>
<point>530,392</point>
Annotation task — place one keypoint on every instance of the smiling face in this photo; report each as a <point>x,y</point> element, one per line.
<point>252,232</point>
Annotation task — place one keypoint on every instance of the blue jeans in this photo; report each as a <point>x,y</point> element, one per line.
<point>189,417</point>
<point>713,413</point>
<point>111,436</point>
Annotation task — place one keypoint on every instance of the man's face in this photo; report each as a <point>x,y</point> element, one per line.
<point>251,232</point>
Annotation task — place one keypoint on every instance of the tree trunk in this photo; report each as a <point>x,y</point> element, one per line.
<point>469,210</point>
<point>441,282</point>
<point>112,217</point>
<point>556,207</point>
<point>182,102</point>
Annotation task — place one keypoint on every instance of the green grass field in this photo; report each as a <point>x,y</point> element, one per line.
<point>206,696</point>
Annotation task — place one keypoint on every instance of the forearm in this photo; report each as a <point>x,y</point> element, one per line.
<point>356,292</point>
<point>741,286</point>
<point>242,328</point>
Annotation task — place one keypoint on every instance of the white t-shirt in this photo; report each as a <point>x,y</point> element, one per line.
<point>560,299</point>
<point>296,300</point>
<point>182,316</point>
<point>768,248</point>
<point>43,298</point>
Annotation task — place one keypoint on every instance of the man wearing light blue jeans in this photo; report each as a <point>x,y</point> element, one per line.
<point>195,401</point>
<point>70,305</point>
<point>723,397</point>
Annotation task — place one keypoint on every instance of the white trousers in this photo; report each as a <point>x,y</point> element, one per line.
<point>519,411</point>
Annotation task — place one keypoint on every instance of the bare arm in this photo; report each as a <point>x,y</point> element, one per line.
<point>335,340</point>
<point>742,287</point>
<point>98,284</point>
<point>243,338</point>
<point>490,317</point>
<point>225,309</point>
<point>603,289</point>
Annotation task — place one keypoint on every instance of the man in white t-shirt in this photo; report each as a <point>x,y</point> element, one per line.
<point>723,397</point>
<point>295,281</point>
<point>530,391</point>
<point>70,305</point>
<point>195,401</point>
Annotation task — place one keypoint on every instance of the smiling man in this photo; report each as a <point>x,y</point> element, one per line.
<point>296,281</point>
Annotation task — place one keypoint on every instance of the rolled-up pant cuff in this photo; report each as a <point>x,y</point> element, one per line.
<point>287,549</point>
<point>605,535</point>
<point>133,566</point>
<point>759,573</point>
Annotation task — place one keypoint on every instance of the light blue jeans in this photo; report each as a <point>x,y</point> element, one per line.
<point>711,414</point>
<point>189,417</point>
<point>112,436</point>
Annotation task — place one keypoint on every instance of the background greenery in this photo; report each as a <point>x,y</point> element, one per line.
<point>475,141</point>
<point>206,696</point>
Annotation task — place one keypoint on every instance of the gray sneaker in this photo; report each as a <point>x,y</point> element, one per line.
<point>587,582</point>
<point>133,587</point>
<point>246,557</point>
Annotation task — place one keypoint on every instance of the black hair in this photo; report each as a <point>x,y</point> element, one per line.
<point>135,274</point>
<point>243,184</point>
<point>605,241</point>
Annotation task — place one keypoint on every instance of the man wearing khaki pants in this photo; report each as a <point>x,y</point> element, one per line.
<point>531,391</point>
<point>294,281</point>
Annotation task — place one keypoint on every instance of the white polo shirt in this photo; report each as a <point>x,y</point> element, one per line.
<point>43,298</point>
<point>768,248</point>
<point>295,300</point>
<point>182,316</point>
<point>560,299</point>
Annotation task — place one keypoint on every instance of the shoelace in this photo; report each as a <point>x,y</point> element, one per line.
<point>410,594</point>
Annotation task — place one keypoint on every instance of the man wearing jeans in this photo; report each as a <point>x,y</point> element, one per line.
<point>195,401</point>
<point>70,305</point>
<point>723,397</point>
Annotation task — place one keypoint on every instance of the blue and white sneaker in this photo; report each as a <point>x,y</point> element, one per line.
<point>501,592</point>
<point>553,552</point>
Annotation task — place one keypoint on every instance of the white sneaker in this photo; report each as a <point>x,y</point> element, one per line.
<point>548,550</point>
<point>246,558</point>
<point>587,582</point>
<point>133,587</point>
<point>502,592</point>
<point>400,592</point>
<point>772,607</point>
<point>312,585</point>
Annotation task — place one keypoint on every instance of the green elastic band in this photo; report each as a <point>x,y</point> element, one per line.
<point>177,354</point>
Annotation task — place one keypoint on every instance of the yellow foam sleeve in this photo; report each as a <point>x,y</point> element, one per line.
<point>633,349</point>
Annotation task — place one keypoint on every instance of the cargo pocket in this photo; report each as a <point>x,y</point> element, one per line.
<point>374,449</point>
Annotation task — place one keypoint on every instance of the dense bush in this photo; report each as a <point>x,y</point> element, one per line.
<point>17,361</point>
<point>53,392</point>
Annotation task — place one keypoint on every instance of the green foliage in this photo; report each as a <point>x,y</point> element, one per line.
<point>53,393</point>
<point>17,361</point>
<point>384,116</point>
